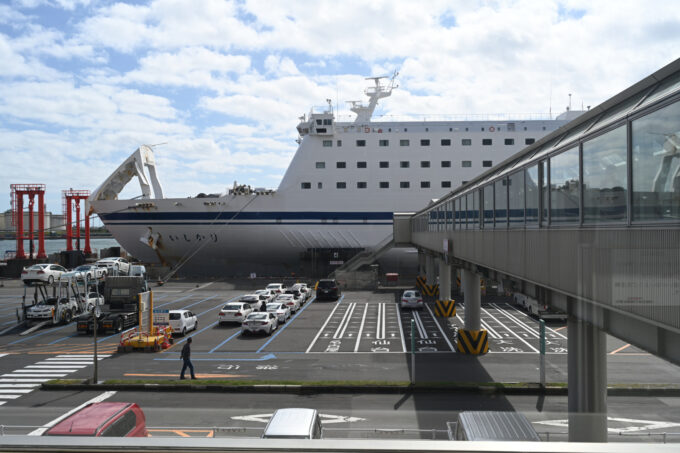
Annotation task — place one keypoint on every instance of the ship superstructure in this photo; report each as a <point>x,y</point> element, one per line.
<point>336,198</point>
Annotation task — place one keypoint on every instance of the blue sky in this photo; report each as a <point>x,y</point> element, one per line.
<point>221,83</point>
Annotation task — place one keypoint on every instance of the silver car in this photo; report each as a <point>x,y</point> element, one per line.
<point>411,299</point>
<point>281,311</point>
<point>260,322</point>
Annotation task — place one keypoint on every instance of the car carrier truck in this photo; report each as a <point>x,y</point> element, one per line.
<point>121,308</point>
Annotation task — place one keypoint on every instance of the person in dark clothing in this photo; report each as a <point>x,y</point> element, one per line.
<point>186,357</point>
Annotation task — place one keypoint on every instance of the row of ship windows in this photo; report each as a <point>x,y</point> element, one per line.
<point>426,142</point>
<point>407,164</point>
<point>381,185</point>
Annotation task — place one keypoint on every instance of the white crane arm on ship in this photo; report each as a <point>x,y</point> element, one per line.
<point>133,166</point>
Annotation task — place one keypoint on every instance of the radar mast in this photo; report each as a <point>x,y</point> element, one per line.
<point>364,112</point>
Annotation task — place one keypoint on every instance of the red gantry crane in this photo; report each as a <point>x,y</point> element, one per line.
<point>17,197</point>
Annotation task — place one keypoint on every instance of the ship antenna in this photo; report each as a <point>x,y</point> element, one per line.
<point>374,93</point>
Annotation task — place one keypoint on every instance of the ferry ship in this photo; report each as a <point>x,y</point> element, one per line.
<point>337,197</point>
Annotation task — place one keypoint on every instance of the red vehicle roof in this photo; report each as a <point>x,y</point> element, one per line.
<point>88,420</point>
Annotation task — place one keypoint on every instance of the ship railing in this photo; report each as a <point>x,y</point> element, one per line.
<point>504,117</point>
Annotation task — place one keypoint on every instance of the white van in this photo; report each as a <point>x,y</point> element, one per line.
<point>293,423</point>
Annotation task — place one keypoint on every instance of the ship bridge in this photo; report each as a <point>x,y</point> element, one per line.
<point>585,220</point>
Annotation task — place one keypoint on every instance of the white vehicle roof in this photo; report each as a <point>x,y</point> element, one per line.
<point>177,311</point>
<point>285,296</point>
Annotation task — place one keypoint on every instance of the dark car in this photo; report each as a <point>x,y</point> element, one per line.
<point>328,289</point>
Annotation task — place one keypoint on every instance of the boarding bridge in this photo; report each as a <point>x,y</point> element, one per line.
<point>587,220</point>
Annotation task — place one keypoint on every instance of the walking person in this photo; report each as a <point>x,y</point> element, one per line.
<point>186,356</point>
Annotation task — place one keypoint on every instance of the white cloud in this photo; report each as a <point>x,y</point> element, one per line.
<point>224,83</point>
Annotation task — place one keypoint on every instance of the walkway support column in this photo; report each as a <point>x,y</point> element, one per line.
<point>473,300</point>
<point>430,274</point>
<point>587,402</point>
<point>472,339</point>
<point>444,280</point>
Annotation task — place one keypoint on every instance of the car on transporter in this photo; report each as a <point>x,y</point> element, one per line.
<point>42,273</point>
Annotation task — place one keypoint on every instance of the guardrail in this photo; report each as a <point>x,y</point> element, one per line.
<point>235,444</point>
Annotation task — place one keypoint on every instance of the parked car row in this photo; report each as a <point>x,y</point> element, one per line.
<point>48,273</point>
<point>265,309</point>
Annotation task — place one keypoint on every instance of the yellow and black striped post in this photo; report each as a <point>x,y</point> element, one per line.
<point>474,342</point>
<point>421,282</point>
<point>445,308</point>
<point>431,290</point>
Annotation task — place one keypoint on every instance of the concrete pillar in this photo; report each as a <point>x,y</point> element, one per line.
<point>421,262</point>
<point>444,280</point>
<point>473,300</point>
<point>587,403</point>
<point>430,271</point>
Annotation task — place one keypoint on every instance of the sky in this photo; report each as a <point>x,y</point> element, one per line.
<point>219,85</point>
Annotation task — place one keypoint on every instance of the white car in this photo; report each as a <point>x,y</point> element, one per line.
<point>256,303</point>
<point>89,271</point>
<point>42,273</point>
<point>276,288</point>
<point>281,311</point>
<point>260,322</point>
<point>114,265</point>
<point>303,289</point>
<point>234,312</point>
<point>411,299</point>
<point>265,292</point>
<point>92,300</point>
<point>289,301</point>
<point>182,321</point>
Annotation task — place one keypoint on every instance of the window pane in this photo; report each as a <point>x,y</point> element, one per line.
<point>545,194</point>
<point>446,163</point>
<point>531,185</point>
<point>404,164</point>
<point>361,164</point>
<point>656,177</point>
<point>306,185</point>
<point>466,163</point>
<point>516,197</point>
<point>501,203</point>
<point>459,214</point>
<point>564,187</point>
<point>321,165</point>
<point>403,142</point>
<point>383,143</point>
<point>488,206</point>
<point>340,185</point>
<point>605,178</point>
<point>466,142</point>
<point>404,184</point>
<point>475,209</point>
<point>361,185</point>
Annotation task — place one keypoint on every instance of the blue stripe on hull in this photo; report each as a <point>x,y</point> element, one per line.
<point>272,215</point>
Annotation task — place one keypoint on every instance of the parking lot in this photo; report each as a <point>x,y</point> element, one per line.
<point>364,335</point>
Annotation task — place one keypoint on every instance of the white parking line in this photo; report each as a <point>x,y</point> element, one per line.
<point>532,331</point>
<point>345,321</point>
<point>361,328</point>
<point>401,329</point>
<point>492,332</point>
<point>546,327</point>
<point>440,330</point>
<point>509,329</point>
<point>419,324</point>
<point>380,323</point>
<point>46,426</point>
<point>318,334</point>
